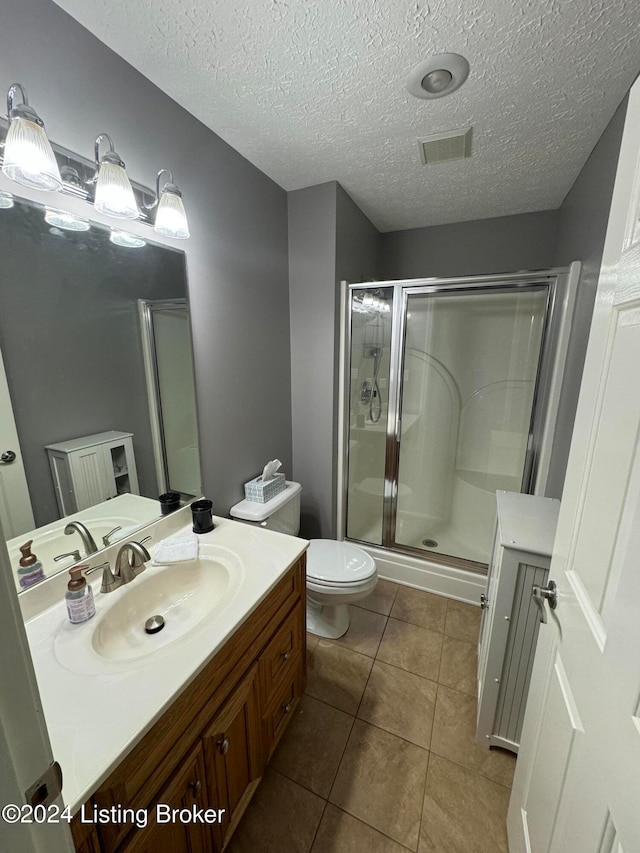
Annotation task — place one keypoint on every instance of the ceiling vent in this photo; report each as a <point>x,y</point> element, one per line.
<point>452,145</point>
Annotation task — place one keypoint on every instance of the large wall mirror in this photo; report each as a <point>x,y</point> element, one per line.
<point>97,398</point>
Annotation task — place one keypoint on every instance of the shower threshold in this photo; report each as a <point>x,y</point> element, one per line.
<point>427,554</point>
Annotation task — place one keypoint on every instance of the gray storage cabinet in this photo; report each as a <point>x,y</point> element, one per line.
<point>525,530</point>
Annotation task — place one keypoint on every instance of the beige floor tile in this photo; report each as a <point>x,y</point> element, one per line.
<point>264,826</point>
<point>382,598</point>
<point>338,676</point>
<point>420,608</point>
<point>312,642</point>
<point>412,648</point>
<point>365,631</point>
<point>459,665</point>
<point>399,702</point>
<point>463,621</point>
<point>341,833</point>
<point>381,781</point>
<point>453,737</point>
<point>312,747</point>
<point>463,812</point>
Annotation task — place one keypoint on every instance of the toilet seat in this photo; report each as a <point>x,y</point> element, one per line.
<point>338,564</point>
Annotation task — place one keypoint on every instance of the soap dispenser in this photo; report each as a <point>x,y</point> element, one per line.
<point>79,597</point>
<point>30,570</point>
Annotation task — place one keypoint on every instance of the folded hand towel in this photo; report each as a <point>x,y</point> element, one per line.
<point>176,550</point>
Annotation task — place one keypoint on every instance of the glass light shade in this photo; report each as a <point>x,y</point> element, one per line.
<point>171,219</point>
<point>6,201</point>
<point>114,195</point>
<point>29,157</point>
<point>66,221</point>
<point>129,241</point>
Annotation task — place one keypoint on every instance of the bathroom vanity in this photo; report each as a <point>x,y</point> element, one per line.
<point>187,725</point>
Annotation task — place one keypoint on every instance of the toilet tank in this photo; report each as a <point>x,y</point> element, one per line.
<point>281,513</point>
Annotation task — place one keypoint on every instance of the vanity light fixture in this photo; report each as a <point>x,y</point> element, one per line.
<point>171,218</point>
<point>124,238</point>
<point>28,155</point>
<point>114,194</point>
<point>65,220</point>
<point>29,158</point>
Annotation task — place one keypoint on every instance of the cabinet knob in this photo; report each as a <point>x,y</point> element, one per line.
<point>285,655</point>
<point>223,745</point>
<point>287,707</point>
<point>196,787</point>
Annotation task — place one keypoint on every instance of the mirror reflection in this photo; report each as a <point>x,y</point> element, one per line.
<point>97,398</point>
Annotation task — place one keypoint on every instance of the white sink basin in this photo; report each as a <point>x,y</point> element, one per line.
<point>184,595</point>
<point>189,596</point>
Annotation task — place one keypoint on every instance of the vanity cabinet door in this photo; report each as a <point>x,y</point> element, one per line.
<point>233,753</point>
<point>186,790</point>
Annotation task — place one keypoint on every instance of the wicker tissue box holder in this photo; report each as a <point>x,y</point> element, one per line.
<point>259,492</point>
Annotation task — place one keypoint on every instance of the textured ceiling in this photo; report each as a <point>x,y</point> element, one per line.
<point>315,91</point>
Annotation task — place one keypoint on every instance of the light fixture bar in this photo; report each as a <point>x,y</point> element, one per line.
<point>85,168</point>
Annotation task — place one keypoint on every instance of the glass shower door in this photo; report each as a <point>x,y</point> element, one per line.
<point>368,412</point>
<point>469,368</point>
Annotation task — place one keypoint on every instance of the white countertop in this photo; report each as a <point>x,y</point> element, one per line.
<point>96,709</point>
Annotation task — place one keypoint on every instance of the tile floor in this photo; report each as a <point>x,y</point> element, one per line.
<point>381,756</point>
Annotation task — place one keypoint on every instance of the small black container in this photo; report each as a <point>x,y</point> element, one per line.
<point>169,502</point>
<point>202,520</point>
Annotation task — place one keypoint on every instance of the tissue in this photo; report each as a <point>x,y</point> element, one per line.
<point>270,469</point>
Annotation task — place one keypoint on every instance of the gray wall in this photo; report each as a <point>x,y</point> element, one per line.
<point>582,226</point>
<point>330,239</point>
<point>312,265</point>
<point>70,339</point>
<point>502,244</point>
<point>237,254</point>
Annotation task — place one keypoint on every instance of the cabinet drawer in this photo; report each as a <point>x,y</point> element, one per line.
<point>278,657</point>
<point>282,707</point>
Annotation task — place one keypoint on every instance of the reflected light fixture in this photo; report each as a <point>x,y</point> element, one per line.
<point>6,201</point>
<point>113,194</point>
<point>171,218</point>
<point>124,238</point>
<point>65,220</point>
<point>28,155</point>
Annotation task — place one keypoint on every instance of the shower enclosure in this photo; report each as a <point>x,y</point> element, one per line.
<point>447,393</point>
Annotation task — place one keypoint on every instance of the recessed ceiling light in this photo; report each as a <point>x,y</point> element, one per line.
<point>438,76</point>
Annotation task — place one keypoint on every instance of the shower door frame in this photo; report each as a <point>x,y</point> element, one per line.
<point>553,346</point>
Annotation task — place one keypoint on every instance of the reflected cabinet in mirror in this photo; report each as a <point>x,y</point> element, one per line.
<point>97,397</point>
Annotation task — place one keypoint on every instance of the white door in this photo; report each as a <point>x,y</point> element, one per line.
<point>15,504</point>
<point>25,750</point>
<point>577,782</point>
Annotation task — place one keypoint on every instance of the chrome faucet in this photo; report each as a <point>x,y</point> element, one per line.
<point>130,561</point>
<point>87,539</point>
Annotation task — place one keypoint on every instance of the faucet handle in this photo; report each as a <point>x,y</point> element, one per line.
<point>109,580</point>
<point>140,557</point>
<point>75,554</point>
<point>107,537</point>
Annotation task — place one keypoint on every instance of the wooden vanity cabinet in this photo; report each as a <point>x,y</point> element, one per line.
<point>210,747</point>
<point>186,789</point>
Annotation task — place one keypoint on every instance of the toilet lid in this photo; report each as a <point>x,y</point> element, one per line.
<point>338,562</point>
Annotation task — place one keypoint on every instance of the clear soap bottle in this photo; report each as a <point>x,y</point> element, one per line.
<point>79,597</point>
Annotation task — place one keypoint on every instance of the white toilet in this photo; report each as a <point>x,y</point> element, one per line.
<point>338,573</point>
